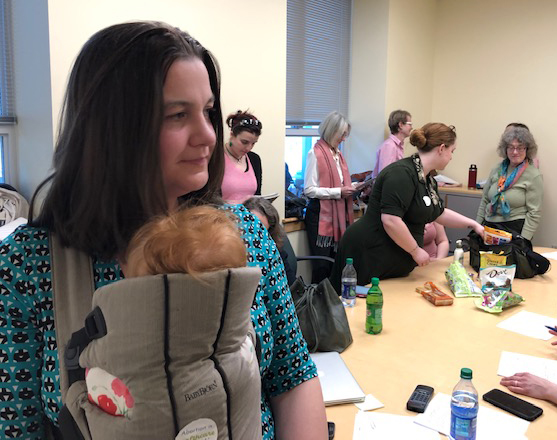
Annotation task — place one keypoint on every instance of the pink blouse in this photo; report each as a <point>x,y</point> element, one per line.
<point>430,234</point>
<point>237,185</point>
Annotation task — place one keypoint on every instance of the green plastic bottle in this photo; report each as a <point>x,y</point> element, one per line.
<point>374,308</point>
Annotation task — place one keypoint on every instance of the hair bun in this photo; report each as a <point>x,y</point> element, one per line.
<point>417,138</point>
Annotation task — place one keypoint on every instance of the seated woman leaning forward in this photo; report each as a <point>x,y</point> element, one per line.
<point>512,196</point>
<point>387,242</point>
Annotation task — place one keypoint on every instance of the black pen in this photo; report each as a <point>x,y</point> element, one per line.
<point>552,328</point>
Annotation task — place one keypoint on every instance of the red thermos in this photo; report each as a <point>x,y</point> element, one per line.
<point>472,174</point>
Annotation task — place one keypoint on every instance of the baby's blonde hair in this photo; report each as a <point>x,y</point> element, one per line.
<point>192,240</point>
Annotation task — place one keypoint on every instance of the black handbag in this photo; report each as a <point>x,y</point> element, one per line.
<point>322,316</point>
<point>519,252</point>
<point>294,206</point>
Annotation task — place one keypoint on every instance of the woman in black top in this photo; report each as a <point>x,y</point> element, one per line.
<point>387,242</point>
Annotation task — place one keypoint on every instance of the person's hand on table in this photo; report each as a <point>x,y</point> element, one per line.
<point>554,333</point>
<point>531,385</point>
<point>420,256</point>
<point>346,191</point>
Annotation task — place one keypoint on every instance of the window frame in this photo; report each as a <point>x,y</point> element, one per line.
<point>7,153</point>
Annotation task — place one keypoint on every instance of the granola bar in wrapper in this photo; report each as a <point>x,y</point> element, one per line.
<point>460,282</point>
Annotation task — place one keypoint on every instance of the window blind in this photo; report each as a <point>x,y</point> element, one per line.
<point>7,110</point>
<point>318,59</point>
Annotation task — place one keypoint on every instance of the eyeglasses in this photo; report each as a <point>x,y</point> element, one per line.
<point>408,123</point>
<point>520,149</point>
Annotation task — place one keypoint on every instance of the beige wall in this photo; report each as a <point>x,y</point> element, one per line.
<point>495,63</point>
<point>367,82</point>
<point>250,48</point>
<point>410,60</point>
<point>393,50</point>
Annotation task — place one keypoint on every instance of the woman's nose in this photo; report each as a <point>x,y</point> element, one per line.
<point>204,133</point>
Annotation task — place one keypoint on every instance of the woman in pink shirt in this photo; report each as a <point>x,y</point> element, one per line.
<point>242,167</point>
<point>436,243</point>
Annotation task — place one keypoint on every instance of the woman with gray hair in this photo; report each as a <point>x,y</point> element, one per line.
<point>512,196</point>
<point>328,185</point>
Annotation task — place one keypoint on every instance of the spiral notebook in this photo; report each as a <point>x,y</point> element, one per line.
<point>337,382</point>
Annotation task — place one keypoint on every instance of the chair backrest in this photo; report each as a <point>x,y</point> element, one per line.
<point>292,259</point>
<point>289,258</point>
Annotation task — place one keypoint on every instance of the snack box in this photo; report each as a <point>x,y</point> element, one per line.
<point>494,236</point>
<point>434,295</point>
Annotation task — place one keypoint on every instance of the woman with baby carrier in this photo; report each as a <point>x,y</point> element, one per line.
<point>141,134</point>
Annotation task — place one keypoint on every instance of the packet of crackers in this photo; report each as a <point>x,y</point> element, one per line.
<point>496,236</point>
<point>490,258</point>
<point>434,295</point>
<point>460,283</point>
<point>497,289</point>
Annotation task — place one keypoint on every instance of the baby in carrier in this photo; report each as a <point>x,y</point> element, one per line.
<point>210,366</point>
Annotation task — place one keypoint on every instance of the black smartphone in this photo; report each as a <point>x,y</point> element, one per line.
<point>514,405</point>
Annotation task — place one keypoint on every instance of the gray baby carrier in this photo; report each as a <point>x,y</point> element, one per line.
<point>183,347</point>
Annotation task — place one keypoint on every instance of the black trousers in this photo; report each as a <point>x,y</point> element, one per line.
<point>320,269</point>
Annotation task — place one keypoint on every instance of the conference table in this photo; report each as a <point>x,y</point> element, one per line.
<point>424,344</point>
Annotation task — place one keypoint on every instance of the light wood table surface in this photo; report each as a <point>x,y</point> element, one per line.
<point>424,344</point>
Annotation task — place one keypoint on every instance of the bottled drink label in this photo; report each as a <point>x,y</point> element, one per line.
<point>464,413</point>
<point>349,291</point>
<point>464,429</point>
<point>374,321</point>
<point>349,288</point>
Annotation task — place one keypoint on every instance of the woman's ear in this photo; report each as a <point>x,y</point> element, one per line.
<point>442,148</point>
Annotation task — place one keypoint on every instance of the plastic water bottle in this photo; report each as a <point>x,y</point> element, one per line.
<point>374,308</point>
<point>464,408</point>
<point>459,252</point>
<point>349,281</point>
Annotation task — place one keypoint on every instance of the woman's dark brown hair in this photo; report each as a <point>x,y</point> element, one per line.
<point>432,135</point>
<point>107,179</point>
<point>244,121</point>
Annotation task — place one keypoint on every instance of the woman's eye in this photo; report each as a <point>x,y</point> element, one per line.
<point>177,116</point>
<point>210,112</point>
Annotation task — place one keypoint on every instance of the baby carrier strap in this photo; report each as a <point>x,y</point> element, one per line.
<point>72,289</point>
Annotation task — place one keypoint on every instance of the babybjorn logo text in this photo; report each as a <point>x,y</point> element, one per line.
<point>201,391</point>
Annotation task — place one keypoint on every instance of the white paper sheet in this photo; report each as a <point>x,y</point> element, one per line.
<point>491,425</point>
<point>370,403</point>
<point>511,363</point>
<point>529,324</point>
<point>551,255</point>
<point>382,426</point>
<point>8,228</point>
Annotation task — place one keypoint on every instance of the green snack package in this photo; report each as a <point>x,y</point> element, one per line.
<point>460,282</point>
<point>497,300</point>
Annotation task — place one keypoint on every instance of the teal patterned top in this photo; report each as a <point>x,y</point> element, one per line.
<point>29,375</point>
